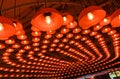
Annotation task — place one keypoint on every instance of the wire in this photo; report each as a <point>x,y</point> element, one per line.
<point>15,9</point>
<point>45,4</point>
<point>1,7</point>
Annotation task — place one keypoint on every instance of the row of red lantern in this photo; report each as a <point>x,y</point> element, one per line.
<point>45,16</point>
<point>88,17</point>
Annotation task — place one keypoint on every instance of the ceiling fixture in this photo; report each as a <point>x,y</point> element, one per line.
<point>58,46</point>
<point>47,19</point>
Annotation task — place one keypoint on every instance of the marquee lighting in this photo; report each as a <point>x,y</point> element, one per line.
<point>59,46</point>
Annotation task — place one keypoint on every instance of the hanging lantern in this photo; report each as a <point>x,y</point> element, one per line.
<point>67,18</point>
<point>47,19</point>
<point>91,16</point>
<point>9,41</point>
<point>115,19</point>
<point>6,28</point>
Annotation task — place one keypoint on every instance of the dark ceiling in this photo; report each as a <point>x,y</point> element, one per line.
<point>65,59</point>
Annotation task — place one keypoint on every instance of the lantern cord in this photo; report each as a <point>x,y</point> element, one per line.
<point>45,4</point>
<point>19,13</point>
<point>37,1</point>
<point>15,9</point>
<point>1,7</point>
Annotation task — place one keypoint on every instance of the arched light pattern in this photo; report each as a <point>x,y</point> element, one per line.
<point>58,46</point>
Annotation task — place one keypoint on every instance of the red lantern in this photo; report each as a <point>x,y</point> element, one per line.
<point>47,19</point>
<point>67,18</point>
<point>115,19</point>
<point>91,16</point>
<point>6,28</point>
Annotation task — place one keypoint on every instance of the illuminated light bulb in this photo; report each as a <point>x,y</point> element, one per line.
<point>36,33</point>
<point>14,23</point>
<point>93,33</point>
<point>64,40</point>
<point>44,46</point>
<point>105,20</point>
<point>1,27</point>
<point>76,30</point>
<point>59,35</point>
<point>36,49</point>
<point>48,19</point>
<point>20,32</point>
<point>90,16</point>
<point>25,42</point>
<point>56,40</point>
<point>15,45</point>
<point>2,46</point>
<point>77,36</point>
<point>45,41</point>
<point>9,41</point>
<point>86,31</point>
<point>61,45</point>
<point>21,50</point>
<point>43,51</point>
<point>36,39</point>
<point>53,45</point>
<point>27,47</point>
<point>70,35</point>
<point>22,37</point>
<point>35,44</point>
<point>9,50</point>
<point>64,18</point>
<point>119,17</point>
<point>64,30</point>
<point>71,23</point>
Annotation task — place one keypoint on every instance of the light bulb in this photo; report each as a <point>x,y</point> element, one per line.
<point>64,18</point>
<point>14,24</point>
<point>71,23</point>
<point>119,17</point>
<point>48,19</point>
<point>105,20</point>
<point>90,16</point>
<point>1,27</point>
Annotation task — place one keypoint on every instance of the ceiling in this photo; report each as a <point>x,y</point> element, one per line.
<point>69,57</point>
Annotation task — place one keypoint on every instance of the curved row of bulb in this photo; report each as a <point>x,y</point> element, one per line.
<point>59,33</point>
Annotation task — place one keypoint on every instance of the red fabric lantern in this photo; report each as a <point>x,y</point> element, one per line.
<point>115,19</point>
<point>67,18</point>
<point>47,19</point>
<point>6,28</point>
<point>91,16</point>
